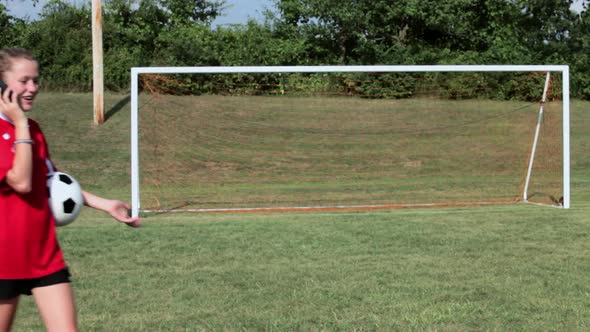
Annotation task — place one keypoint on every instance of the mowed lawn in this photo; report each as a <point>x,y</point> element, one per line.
<point>496,268</point>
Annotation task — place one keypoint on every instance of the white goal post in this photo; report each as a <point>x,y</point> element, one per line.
<point>561,69</point>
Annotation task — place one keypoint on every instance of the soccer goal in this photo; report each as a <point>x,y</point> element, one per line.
<point>293,138</point>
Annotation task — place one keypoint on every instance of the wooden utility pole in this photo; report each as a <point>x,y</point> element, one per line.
<point>97,63</point>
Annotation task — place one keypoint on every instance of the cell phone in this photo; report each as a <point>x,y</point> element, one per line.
<point>3,87</point>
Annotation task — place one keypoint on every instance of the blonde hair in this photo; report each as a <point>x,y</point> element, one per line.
<point>9,54</point>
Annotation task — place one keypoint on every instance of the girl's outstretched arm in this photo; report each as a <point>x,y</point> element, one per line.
<point>117,209</point>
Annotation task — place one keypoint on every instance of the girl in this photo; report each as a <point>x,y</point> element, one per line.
<point>31,261</point>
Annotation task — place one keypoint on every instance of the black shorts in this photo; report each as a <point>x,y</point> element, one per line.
<point>11,288</point>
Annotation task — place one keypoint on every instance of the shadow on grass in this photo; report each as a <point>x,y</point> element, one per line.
<point>118,106</point>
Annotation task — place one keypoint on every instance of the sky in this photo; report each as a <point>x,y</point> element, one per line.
<point>237,11</point>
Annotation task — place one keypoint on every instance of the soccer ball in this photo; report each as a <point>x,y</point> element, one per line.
<point>65,198</point>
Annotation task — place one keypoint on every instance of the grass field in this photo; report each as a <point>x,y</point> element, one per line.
<point>497,268</point>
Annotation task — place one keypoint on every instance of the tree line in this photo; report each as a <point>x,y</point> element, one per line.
<point>302,32</point>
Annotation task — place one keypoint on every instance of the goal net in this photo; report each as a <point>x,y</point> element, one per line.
<point>348,137</point>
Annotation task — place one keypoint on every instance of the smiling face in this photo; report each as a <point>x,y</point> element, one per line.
<point>22,77</point>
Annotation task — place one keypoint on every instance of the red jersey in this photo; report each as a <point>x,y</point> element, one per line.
<point>28,239</point>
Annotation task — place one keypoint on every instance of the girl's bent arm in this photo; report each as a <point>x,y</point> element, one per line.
<point>19,177</point>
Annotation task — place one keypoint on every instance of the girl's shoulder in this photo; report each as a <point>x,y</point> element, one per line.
<point>33,123</point>
<point>35,127</point>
